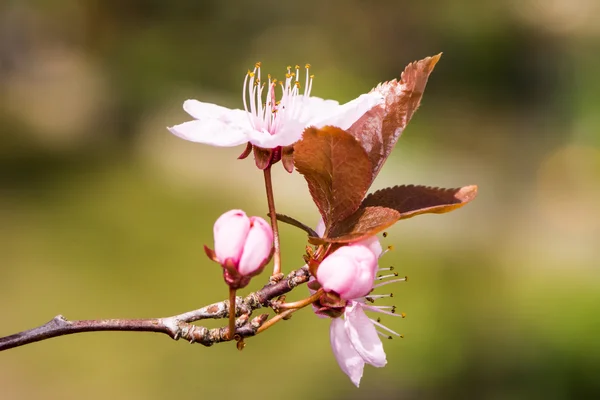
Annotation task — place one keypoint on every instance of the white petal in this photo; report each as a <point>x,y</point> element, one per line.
<point>363,336</point>
<point>320,229</point>
<point>200,110</point>
<point>213,132</point>
<point>347,114</point>
<point>315,109</point>
<point>348,359</point>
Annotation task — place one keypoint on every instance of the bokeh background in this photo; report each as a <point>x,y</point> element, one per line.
<point>103,213</point>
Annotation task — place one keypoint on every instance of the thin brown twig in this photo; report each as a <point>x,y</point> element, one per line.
<point>177,326</point>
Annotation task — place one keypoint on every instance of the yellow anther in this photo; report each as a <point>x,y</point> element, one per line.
<point>288,75</point>
<point>250,74</point>
<point>401,336</point>
<point>296,66</point>
<point>289,67</point>
<point>297,84</point>
<point>258,64</point>
<point>403,315</point>
<point>312,77</point>
<point>269,76</point>
<point>307,66</point>
<point>390,248</point>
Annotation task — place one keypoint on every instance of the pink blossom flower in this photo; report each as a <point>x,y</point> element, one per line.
<point>355,337</point>
<point>243,246</point>
<point>348,272</point>
<point>265,121</point>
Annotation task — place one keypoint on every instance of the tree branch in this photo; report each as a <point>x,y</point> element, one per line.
<point>177,326</point>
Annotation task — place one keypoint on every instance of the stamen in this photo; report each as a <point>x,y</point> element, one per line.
<point>383,334</point>
<point>382,277</point>
<point>385,328</point>
<point>391,268</point>
<point>269,114</point>
<point>392,281</point>
<point>381,309</point>
<point>372,297</point>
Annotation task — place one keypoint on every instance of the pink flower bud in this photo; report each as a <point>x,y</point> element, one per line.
<point>349,271</point>
<point>243,246</point>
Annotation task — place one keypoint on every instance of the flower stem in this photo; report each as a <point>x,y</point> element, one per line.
<point>301,303</point>
<point>231,313</point>
<point>273,215</point>
<point>276,319</point>
<point>289,308</point>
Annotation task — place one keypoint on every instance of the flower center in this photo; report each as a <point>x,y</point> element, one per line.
<point>269,114</point>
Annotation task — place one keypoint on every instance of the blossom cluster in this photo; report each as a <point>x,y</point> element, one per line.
<point>339,149</point>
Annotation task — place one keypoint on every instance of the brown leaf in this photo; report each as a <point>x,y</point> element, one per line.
<point>411,200</point>
<point>337,169</point>
<point>365,222</point>
<point>380,128</point>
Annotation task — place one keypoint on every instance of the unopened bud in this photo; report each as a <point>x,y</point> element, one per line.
<point>243,246</point>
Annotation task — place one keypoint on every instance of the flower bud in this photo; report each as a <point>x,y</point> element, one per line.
<point>243,246</point>
<point>349,271</point>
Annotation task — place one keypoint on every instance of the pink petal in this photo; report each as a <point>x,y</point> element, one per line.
<point>363,336</point>
<point>337,272</point>
<point>214,125</point>
<point>348,359</point>
<point>347,114</point>
<point>257,249</point>
<point>230,232</point>
<point>372,242</point>
<point>349,272</point>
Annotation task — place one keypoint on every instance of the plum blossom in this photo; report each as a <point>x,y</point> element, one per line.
<point>266,121</point>
<point>243,246</point>
<point>359,266</point>
<point>354,337</point>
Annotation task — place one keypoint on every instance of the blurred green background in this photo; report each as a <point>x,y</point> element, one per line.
<point>103,213</point>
